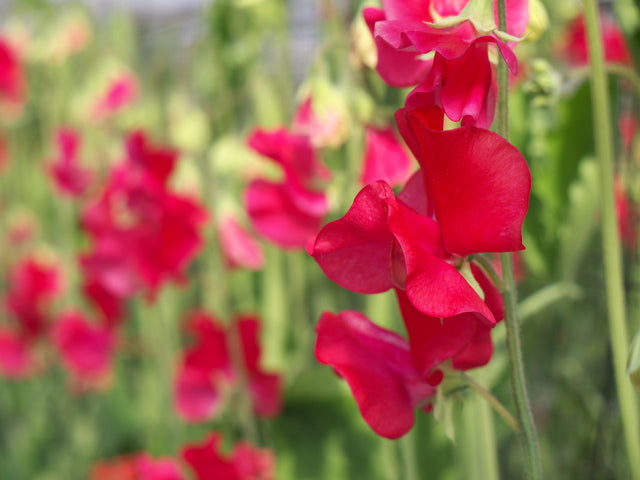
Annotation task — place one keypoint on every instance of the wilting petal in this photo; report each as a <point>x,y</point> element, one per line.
<point>275,215</point>
<point>377,365</point>
<point>479,185</point>
<point>355,251</point>
<point>384,158</point>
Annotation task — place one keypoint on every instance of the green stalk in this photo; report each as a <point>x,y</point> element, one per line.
<point>613,271</point>
<point>510,296</point>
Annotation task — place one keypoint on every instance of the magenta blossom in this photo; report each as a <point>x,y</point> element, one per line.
<point>239,248</point>
<point>414,49</point>
<point>384,158</point>
<point>206,369</point>
<point>244,462</point>
<point>289,212</point>
<point>473,200</point>
<point>69,176</point>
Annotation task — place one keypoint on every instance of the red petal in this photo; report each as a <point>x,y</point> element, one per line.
<point>377,365</point>
<point>355,251</point>
<point>479,185</point>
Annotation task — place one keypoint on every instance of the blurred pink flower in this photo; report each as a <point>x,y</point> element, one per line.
<point>206,369</point>
<point>33,284</point>
<point>244,462</point>
<point>384,158</point>
<point>16,360</point>
<point>614,42</point>
<point>69,176</point>
<point>12,84</point>
<point>139,466</point>
<point>121,92</point>
<point>287,213</point>
<point>86,349</point>
<point>239,248</point>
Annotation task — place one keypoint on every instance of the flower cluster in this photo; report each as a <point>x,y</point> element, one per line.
<point>470,196</point>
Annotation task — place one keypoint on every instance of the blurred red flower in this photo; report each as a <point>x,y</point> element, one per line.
<point>121,92</point>
<point>69,176</point>
<point>136,467</point>
<point>12,84</point>
<point>206,369</point>
<point>245,462</point>
<point>86,349</point>
<point>290,212</point>
<point>384,158</point>
<point>239,248</point>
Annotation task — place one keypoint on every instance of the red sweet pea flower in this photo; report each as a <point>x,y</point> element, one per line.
<point>478,188</point>
<point>614,41</point>
<point>403,37</point>
<point>206,368</point>
<point>384,158</point>
<point>85,349</point>
<point>245,462</point>
<point>291,212</point>
<point>377,365</point>
<point>144,234</point>
<point>33,284</point>
<point>69,176</point>
<point>239,248</point>
<point>12,84</point>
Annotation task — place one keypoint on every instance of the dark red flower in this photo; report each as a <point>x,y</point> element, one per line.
<point>70,177</point>
<point>245,462</point>
<point>206,369</point>
<point>290,212</point>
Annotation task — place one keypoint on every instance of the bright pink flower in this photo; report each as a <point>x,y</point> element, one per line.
<point>291,212</point>
<point>85,349</point>
<point>478,189</point>
<point>245,462</point>
<point>403,38</point>
<point>16,360</point>
<point>239,248</point>
<point>69,176</point>
<point>614,41</point>
<point>207,368</point>
<point>144,234</point>
<point>12,85</point>
<point>158,469</point>
<point>120,93</point>
<point>377,365</point>
<point>33,284</point>
<point>384,158</point>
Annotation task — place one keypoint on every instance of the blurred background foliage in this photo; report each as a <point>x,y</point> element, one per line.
<point>240,65</point>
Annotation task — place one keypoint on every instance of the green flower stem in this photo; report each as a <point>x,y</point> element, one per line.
<point>613,271</point>
<point>494,402</point>
<point>509,293</point>
<point>408,453</point>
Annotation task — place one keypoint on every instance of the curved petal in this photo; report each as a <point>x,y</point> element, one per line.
<point>435,340</point>
<point>377,365</point>
<point>479,185</point>
<point>354,251</point>
<point>477,353</point>
<point>276,217</point>
<point>195,396</point>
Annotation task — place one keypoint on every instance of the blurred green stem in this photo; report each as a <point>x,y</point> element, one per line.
<point>408,452</point>
<point>510,296</point>
<point>613,271</point>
